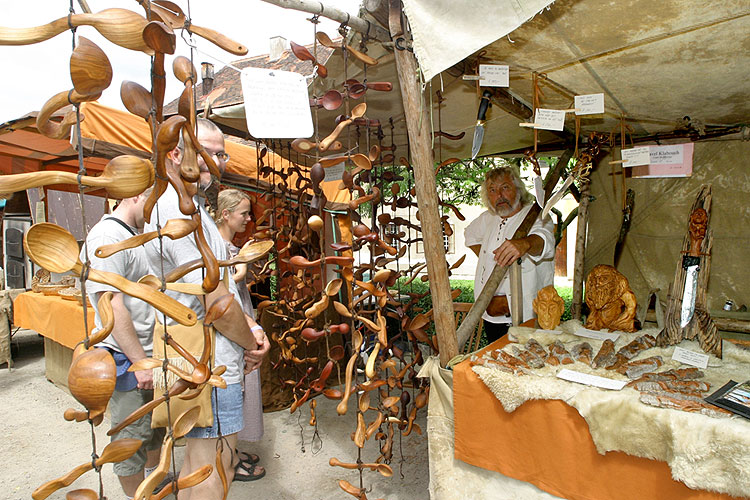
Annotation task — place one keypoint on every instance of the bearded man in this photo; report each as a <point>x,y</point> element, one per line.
<point>490,237</point>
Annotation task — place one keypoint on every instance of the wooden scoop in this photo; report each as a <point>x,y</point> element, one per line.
<point>306,145</point>
<point>331,100</point>
<point>173,229</point>
<point>82,494</point>
<point>123,177</point>
<point>120,26</point>
<point>56,250</point>
<point>357,112</point>
<point>91,379</point>
<point>250,253</point>
<point>115,451</point>
<point>136,99</point>
<point>173,15</point>
<point>384,469</point>
<point>90,68</point>
<point>303,54</point>
<point>325,40</point>
<point>195,477</point>
<point>59,130</point>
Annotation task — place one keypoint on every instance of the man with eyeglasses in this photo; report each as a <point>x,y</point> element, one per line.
<point>240,341</point>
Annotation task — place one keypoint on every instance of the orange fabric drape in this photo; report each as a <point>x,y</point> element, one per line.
<point>52,316</point>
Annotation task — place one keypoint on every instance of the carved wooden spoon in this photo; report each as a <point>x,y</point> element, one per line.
<point>173,229</point>
<point>357,112</point>
<point>90,68</point>
<point>303,54</point>
<point>251,253</point>
<point>123,177</point>
<point>325,40</point>
<point>56,250</point>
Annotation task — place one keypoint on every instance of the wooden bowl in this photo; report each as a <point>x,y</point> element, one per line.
<point>70,293</point>
<point>51,288</point>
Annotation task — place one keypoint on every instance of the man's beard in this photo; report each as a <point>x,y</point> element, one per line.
<point>210,192</point>
<point>506,211</point>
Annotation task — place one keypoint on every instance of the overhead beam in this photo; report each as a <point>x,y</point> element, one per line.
<point>318,8</point>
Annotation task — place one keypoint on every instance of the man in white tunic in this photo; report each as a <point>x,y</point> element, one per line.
<point>490,236</point>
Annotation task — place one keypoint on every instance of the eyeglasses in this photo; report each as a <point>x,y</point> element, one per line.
<point>221,156</point>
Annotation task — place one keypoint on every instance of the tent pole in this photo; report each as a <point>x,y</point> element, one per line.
<point>418,126</point>
<point>583,220</point>
<point>371,30</point>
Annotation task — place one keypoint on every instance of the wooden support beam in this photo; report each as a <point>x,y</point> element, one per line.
<point>420,140</point>
<point>583,219</point>
<point>356,23</point>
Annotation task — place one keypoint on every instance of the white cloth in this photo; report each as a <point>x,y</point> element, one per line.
<point>131,264</point>
<point>176,252</point>
<point>489,231</point>
<point>446,31</point>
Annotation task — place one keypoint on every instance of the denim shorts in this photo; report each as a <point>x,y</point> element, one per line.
<point>227,413</point>
<point>122,404</point>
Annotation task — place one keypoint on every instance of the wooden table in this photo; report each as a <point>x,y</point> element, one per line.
<point>60,322</point>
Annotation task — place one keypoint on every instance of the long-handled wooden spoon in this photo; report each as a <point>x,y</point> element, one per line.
<point>303,54</point>
<point>173,229</point>
<point>195,477</point>
<point>325,40</point>
<point>56,250</point>
<point>123,177</point>
<point>357,112</point>
<point>116,451</point>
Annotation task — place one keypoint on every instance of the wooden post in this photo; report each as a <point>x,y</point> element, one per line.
<point>418,126</point>
<point>583,219</point>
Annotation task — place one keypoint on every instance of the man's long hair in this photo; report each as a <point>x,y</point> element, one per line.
<point>496,174</point>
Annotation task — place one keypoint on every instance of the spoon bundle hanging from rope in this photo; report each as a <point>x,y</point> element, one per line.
<point>357,112</point>
<point>303,54</point>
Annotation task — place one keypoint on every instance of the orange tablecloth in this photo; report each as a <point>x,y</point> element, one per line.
<point>548,444</point>
<point>53,317</point>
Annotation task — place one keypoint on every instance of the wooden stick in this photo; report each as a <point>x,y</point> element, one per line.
<point>420,139</point>
<point>583,218</point>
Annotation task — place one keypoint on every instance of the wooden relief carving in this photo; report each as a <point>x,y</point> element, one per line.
<point>549,307</point>
<point>611,302</point>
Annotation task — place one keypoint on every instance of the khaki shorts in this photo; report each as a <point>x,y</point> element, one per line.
<point>122,404</point>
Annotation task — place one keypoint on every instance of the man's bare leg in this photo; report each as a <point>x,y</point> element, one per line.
<point>130,483</point>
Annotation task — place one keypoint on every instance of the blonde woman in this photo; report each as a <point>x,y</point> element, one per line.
<point>231,216</point>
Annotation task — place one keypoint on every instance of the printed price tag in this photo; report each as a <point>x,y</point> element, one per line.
<point>696,359</point>
<point>276,103</point>
<point>549,119</point>
<point>334,173</point>
<point>585,378</point>
<point>494,75</point>
<point>596,335</point>
<point>589,104</point>
<point>666,155</point>
<point>635,156</point>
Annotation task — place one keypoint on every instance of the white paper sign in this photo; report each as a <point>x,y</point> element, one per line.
<point>334,173</point>
<point>635,156</point>
<point>552,332</point>
<point>696,359</point>
<point>539,191</point>
<point>494,75</point>
<point>666,155</point>
<point>596,335</point>
<point>585,378</point>
<point>549,119</point>
<point>589,104</point>
<point>276,104</point>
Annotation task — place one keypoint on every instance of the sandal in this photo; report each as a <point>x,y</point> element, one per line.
<point>252,472</point>
<point>247,458</point>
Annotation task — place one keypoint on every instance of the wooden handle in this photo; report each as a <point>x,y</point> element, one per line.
<point>380,86</point>
<point>374,196</point>
<point>211,280</point>
<point>169,306</point>
<point>148,485</point>
<point>361,56</point>
<point>219,40</point>
<point>341,408</point>
<point>195,477</point>
<point>107,316</point>
<point>173,229</point>
<point>56,102</point>
<point>374,425</point>
<point>320,383</point>
<point>333,135</point>
<point>370,367</point>
<point>352,490</point>
<point>317,308</point>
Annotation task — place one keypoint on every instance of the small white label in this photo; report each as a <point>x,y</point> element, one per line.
<point>594,334</point>
<point>635,156</point>
<point>549,119</point>
<point>334,173</point>
<point>589,104</point>
<point>276,103</point>
<point>471,78</point>
<point>539,191</point>
<point>666,155</point>
<point>585,378</point>
<point>494,75</point>
<point>696,359</point>
<point>551,332</point>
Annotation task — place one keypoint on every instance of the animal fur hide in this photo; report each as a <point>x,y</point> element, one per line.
<point>705,453</point>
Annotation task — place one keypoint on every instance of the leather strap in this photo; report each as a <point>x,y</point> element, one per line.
<point>128,228</point>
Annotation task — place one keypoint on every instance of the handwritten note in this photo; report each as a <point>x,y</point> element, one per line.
<point>494,75</point>
<point>549,119</point>
<point>585,378</point>
<point>589,104</point>
<point>276,104</point>
<point>334,173</point>
<point>597,335</point>
<point>635,156</point>
<point>697,359</point>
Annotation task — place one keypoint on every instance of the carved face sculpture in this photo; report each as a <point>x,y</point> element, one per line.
<point>548,306</point>
<point>604,284</point>
<point>698,223</point>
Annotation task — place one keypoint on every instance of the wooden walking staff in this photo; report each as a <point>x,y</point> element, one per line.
<point>420,138</point>
<point>481,303</point>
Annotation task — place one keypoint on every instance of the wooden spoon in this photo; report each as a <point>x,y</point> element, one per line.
<point>306,145</point>
<point>55,130</point>
<point>56,250</point>
<point>82,494</point>
<point>123,177</point>
<point>120,26</point>
<point>251,253</point>
<point>90,68</point>
<point>357,112</point>
<point>173,229</point>
<point>167,139</point>
<point>116,451</point>
<point>325,40</point>
<point>173,15</point>
<point>331,100</point>
<point>189,288</point>
<point>195,477</point>
<point>384,469</point>
<point>91,379</point>
<point>136,99</point>
<point>303,54</point>
<point>159,37</point>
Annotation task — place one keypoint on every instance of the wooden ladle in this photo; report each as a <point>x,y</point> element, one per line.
<point>56,250</point>
<point>123,177</point>
<point>331,100</point>
<point>90,68</point>
<point>120,26</point>
<point>173,229</point>
<point>357,112</point>
<point>91,379</point>
<point>250,253</point>
<point>303,54</point>
<point>173,15</point>
<point>116,451</point>
<point>325,40</point>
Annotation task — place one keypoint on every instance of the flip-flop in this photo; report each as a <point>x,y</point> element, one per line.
<point>247,458</point>
<point>250,470</point>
